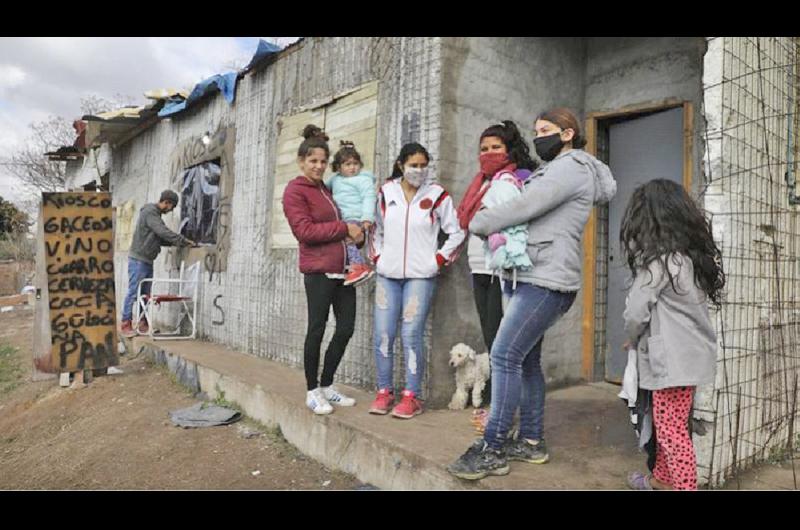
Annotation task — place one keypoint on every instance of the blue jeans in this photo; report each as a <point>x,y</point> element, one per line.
<point>137,271</point>
<point>410,298</point>
<point>517,378</point>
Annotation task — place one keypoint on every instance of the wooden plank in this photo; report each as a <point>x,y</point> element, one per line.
<point>637,108</point>
<point>79,256</point>
<point>352,117</point>
<point>289,139</point>
<point>688,145</point>
<point>589,273</point>
<point>42,363</point>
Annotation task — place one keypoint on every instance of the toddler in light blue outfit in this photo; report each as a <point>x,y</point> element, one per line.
<point>354,192</point>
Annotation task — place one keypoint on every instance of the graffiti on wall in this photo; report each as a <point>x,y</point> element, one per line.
<point>79,260</point>
<point>191,152</point>
<point>220,321</point>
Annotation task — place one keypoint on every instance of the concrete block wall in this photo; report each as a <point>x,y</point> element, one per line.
<point>624,71</point>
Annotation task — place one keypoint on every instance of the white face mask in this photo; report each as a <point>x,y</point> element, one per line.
<point>415,175</point>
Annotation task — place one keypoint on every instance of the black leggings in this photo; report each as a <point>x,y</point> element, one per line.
<point>321,293</point>
<point>489,302</point>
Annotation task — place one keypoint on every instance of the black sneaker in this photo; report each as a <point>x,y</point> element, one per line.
<point>524,450</point>
<point>479,461</point>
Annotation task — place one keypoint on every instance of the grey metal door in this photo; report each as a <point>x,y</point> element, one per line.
<point>639,150</point>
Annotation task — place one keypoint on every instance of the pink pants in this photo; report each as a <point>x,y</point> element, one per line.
<point>675,459</point>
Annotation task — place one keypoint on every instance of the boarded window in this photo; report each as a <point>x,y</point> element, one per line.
<point>200,202</point>
<point>124,226</point>
<point>352,117</point>
<point>286,169</point>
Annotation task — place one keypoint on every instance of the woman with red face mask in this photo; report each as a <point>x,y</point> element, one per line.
<point>502,151</point>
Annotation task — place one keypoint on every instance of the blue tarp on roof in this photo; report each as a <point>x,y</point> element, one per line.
<point>264,50</point>
<point>226,83</point>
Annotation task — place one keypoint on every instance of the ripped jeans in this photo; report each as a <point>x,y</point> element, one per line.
<point>409,299</point>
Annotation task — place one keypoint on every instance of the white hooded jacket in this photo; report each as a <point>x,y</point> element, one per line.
<point>404,243</point>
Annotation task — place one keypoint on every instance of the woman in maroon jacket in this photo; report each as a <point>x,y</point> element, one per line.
<point>316,223</point>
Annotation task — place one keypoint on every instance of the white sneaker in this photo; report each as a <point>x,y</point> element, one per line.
<point>335,398</point>
<point>315,400</point>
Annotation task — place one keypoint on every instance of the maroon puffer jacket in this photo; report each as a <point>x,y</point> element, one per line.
<point>317,225</point>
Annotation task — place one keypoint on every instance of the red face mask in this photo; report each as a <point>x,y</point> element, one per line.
<point>493,162</point>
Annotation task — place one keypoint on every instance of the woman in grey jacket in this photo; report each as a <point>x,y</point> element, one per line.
<point>555,204</point>
<point>677,269</point>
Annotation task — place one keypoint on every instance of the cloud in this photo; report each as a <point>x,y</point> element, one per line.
<point>11,76</point>
<point>42,76</point>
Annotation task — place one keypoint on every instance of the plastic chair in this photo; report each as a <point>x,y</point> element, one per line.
<point>188,290</point>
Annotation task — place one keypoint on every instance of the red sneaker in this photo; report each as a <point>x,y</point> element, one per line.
<point>383,402</point>
<point>126,330</point>
<point>143,327</point>
<point>408,407</point>
<point>358,274</point>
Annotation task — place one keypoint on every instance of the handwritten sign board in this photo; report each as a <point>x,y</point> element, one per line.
<point>79,259</point>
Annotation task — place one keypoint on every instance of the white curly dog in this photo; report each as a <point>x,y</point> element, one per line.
<point>472,371</point>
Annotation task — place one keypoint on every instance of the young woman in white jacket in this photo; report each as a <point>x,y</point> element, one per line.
<point>411,211</point>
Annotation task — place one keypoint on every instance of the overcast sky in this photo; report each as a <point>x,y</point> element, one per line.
<point>42,76</point>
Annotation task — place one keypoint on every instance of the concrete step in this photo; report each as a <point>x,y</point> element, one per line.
<point>590,439</point>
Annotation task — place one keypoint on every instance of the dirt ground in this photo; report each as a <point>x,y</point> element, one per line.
<point>116,434</point>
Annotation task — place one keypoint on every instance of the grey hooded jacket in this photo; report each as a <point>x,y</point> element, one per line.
<point>151,234</point>
<point>675,338</point>
<point>556,204</point>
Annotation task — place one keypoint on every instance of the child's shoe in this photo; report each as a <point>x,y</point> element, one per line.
<point>358,273</point>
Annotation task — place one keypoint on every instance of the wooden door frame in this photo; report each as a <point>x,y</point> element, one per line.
<point>590,233</point>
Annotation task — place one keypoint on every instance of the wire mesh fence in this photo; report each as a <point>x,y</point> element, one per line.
<point>751,96</point>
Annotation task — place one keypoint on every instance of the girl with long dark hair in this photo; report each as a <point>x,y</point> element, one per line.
<point>677,271</point>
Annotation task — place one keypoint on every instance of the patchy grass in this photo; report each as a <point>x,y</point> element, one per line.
<point>220,401</point>
<point>10,369</point>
